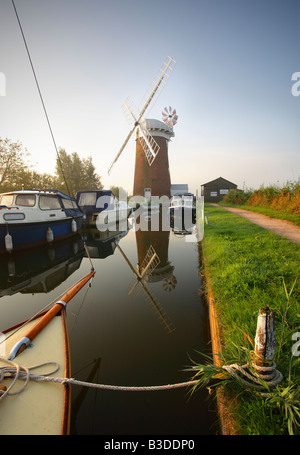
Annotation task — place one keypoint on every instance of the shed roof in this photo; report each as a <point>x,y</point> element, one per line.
<point>218,180</point>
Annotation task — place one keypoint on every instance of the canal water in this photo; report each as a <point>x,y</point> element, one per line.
<point>140,323</point>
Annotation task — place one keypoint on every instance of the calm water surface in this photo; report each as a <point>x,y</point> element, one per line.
<point>123,330</point>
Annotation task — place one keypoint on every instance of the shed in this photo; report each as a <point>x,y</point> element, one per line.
<point>215,190</point>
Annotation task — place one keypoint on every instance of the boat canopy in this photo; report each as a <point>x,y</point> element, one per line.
<point>95,201</point>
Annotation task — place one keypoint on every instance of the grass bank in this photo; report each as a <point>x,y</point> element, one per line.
<point>274,201</point>
<point>272,213</point>
<point>248,268</point>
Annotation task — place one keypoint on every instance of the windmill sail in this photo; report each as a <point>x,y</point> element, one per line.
<point>149,263</point>
<point>158,83</point>
<point>148,143</point>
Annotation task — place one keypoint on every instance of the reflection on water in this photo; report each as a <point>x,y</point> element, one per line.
<point>40,269</point>
<point>138,324</point>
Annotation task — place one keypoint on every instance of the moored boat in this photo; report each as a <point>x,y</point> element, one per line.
<point>41,408</point>
<point>30,218</point>
<point>101,207</point>
<point>183,206</point>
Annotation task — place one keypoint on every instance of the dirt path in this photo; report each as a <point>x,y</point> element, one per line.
<point>281,227</point>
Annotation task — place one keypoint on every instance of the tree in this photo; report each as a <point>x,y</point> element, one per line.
<point>72,173</point>
<point>115,190</point>
<point>13,167</point>
<point>75,174</point>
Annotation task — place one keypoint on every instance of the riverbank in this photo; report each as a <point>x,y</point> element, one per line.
<point>280,226</point>
<point>267,211</point>
<point>247,267</point>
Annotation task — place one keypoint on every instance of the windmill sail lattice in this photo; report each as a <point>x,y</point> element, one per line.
<point>149,263</point>
<point>149,145</point>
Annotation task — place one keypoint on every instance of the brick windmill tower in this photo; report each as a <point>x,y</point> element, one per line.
<point>152,137</point>
<point>154,179</point>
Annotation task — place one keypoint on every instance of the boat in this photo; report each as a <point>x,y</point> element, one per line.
<point>40,270</point>
<point>41,408</point>
<point>101,244</point>
<point>183,206</point>
<point>102,208</point>
<point>181,227</point>
<point>30,218</point>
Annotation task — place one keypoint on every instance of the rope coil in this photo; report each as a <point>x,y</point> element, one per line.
<point>16,372</point>
<point>270,380</point>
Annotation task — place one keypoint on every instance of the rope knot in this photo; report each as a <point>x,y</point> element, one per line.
<point>15,371</point>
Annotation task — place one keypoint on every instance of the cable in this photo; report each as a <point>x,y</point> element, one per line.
<point>40,93</point>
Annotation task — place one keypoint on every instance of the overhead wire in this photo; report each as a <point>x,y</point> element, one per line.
<point>40,94</point>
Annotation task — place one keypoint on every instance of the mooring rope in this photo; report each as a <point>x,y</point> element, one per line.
<point>19,372</point>
<point>256,378</point>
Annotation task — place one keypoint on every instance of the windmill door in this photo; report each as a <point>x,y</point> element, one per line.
<point>147,194</point>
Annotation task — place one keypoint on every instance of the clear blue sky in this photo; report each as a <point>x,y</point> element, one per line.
<point>231,86</point>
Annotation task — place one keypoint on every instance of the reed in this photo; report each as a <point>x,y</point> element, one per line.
<point>273,200</point>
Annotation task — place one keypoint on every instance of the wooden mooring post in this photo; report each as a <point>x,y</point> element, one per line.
<point>265,338</point>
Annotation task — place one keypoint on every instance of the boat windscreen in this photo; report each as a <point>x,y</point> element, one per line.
<point>7,199</point>
<point>87,199</point>
<point>25,200</point>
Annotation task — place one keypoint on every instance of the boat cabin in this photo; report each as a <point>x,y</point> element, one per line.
<point>35,217</point>
<point>19,205</point>
<point>184,199</point>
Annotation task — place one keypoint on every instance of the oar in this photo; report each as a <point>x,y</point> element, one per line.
<point>36,329</point>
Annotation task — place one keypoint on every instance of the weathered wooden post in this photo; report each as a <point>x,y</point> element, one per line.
<point>264,339</point>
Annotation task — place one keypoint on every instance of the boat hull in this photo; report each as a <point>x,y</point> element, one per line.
<point>42,408</point>
<point>183,212</point>
<point>28,235</point>
<point>108,217</point>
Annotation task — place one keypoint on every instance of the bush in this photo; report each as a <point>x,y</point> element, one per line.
<point>285,199</point>
<point>237,197</point>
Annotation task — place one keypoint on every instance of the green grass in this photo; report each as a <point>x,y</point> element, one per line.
<point>249,268</point>
<point>272,213</point>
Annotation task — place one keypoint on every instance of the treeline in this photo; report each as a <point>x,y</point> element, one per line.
<point>285,198</point>
<point>72,173</point>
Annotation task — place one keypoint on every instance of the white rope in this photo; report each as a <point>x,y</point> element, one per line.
<point>18,372</point>
<point>271,380</point>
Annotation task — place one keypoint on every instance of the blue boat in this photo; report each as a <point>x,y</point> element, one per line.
<point>30,218</point>
<point>101,207</point>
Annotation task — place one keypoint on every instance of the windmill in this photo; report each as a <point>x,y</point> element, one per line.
<point>142,274</point>
<point>149,145</point>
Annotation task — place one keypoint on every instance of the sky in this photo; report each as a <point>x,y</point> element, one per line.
<point>231,86</point>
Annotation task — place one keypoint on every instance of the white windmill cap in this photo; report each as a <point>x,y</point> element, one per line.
<point>157,128</point>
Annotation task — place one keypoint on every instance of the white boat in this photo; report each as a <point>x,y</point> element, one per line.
<point>41,408</point>
<point>183,206</point>
<point>30,218</point>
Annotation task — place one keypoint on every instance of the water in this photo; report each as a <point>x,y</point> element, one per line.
<point>123,331</point>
